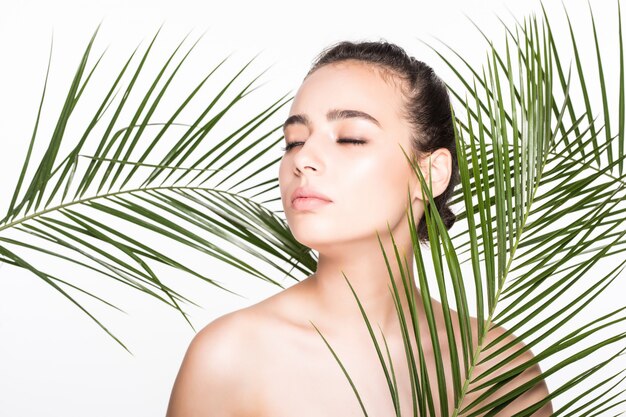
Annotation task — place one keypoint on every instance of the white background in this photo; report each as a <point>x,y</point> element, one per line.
<point>54,361</point>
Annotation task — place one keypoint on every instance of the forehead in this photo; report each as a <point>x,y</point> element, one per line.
<point>350,85</point>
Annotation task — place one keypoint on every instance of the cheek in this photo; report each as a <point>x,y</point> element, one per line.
<point>376,190</point>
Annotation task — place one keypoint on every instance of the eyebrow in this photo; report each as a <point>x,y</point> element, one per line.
<point>334,114</point>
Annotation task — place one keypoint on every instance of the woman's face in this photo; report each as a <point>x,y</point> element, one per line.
<point>367,183</point>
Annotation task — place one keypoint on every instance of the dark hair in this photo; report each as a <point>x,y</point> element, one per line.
<point>427,105</point>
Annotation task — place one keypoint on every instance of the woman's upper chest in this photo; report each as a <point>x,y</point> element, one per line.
<point>294,373</point>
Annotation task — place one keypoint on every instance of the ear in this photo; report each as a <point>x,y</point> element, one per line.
<point>439,172</point>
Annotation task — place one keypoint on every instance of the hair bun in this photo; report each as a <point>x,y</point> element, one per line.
<point>447,216</point>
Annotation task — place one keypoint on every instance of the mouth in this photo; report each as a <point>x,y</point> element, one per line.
<point>308,193</point>
<point>308,203</point>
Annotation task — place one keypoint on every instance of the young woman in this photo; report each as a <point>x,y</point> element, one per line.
<point>343,179</point>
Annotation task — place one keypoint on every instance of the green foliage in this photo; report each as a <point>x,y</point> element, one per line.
<point>150,178</point>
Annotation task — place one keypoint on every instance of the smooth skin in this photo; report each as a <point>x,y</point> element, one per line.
<point>268,359</point>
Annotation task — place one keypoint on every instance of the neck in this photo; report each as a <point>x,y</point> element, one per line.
<point>365,268</point>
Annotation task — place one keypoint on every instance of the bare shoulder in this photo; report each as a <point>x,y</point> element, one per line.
<point>513,358</point>
<point>209,379</point>
<point>225,358</point>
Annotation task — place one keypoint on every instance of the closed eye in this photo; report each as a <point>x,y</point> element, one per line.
<point>341,140</point>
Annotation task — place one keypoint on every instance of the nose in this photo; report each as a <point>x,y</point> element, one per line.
<point>308,156</point>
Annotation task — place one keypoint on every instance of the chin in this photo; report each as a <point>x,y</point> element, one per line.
<point>333,240</point>
<point>316,237</point>
<point>309,238</point>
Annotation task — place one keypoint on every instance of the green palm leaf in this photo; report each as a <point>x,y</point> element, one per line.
<point>542,189</point>
<point>130,175</point>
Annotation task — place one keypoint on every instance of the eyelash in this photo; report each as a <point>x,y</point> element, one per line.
<point>353,141</point>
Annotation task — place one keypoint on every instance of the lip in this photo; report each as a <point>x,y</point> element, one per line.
<point>306,198</point>
<point>308,192</point>
<point>308,203</point>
